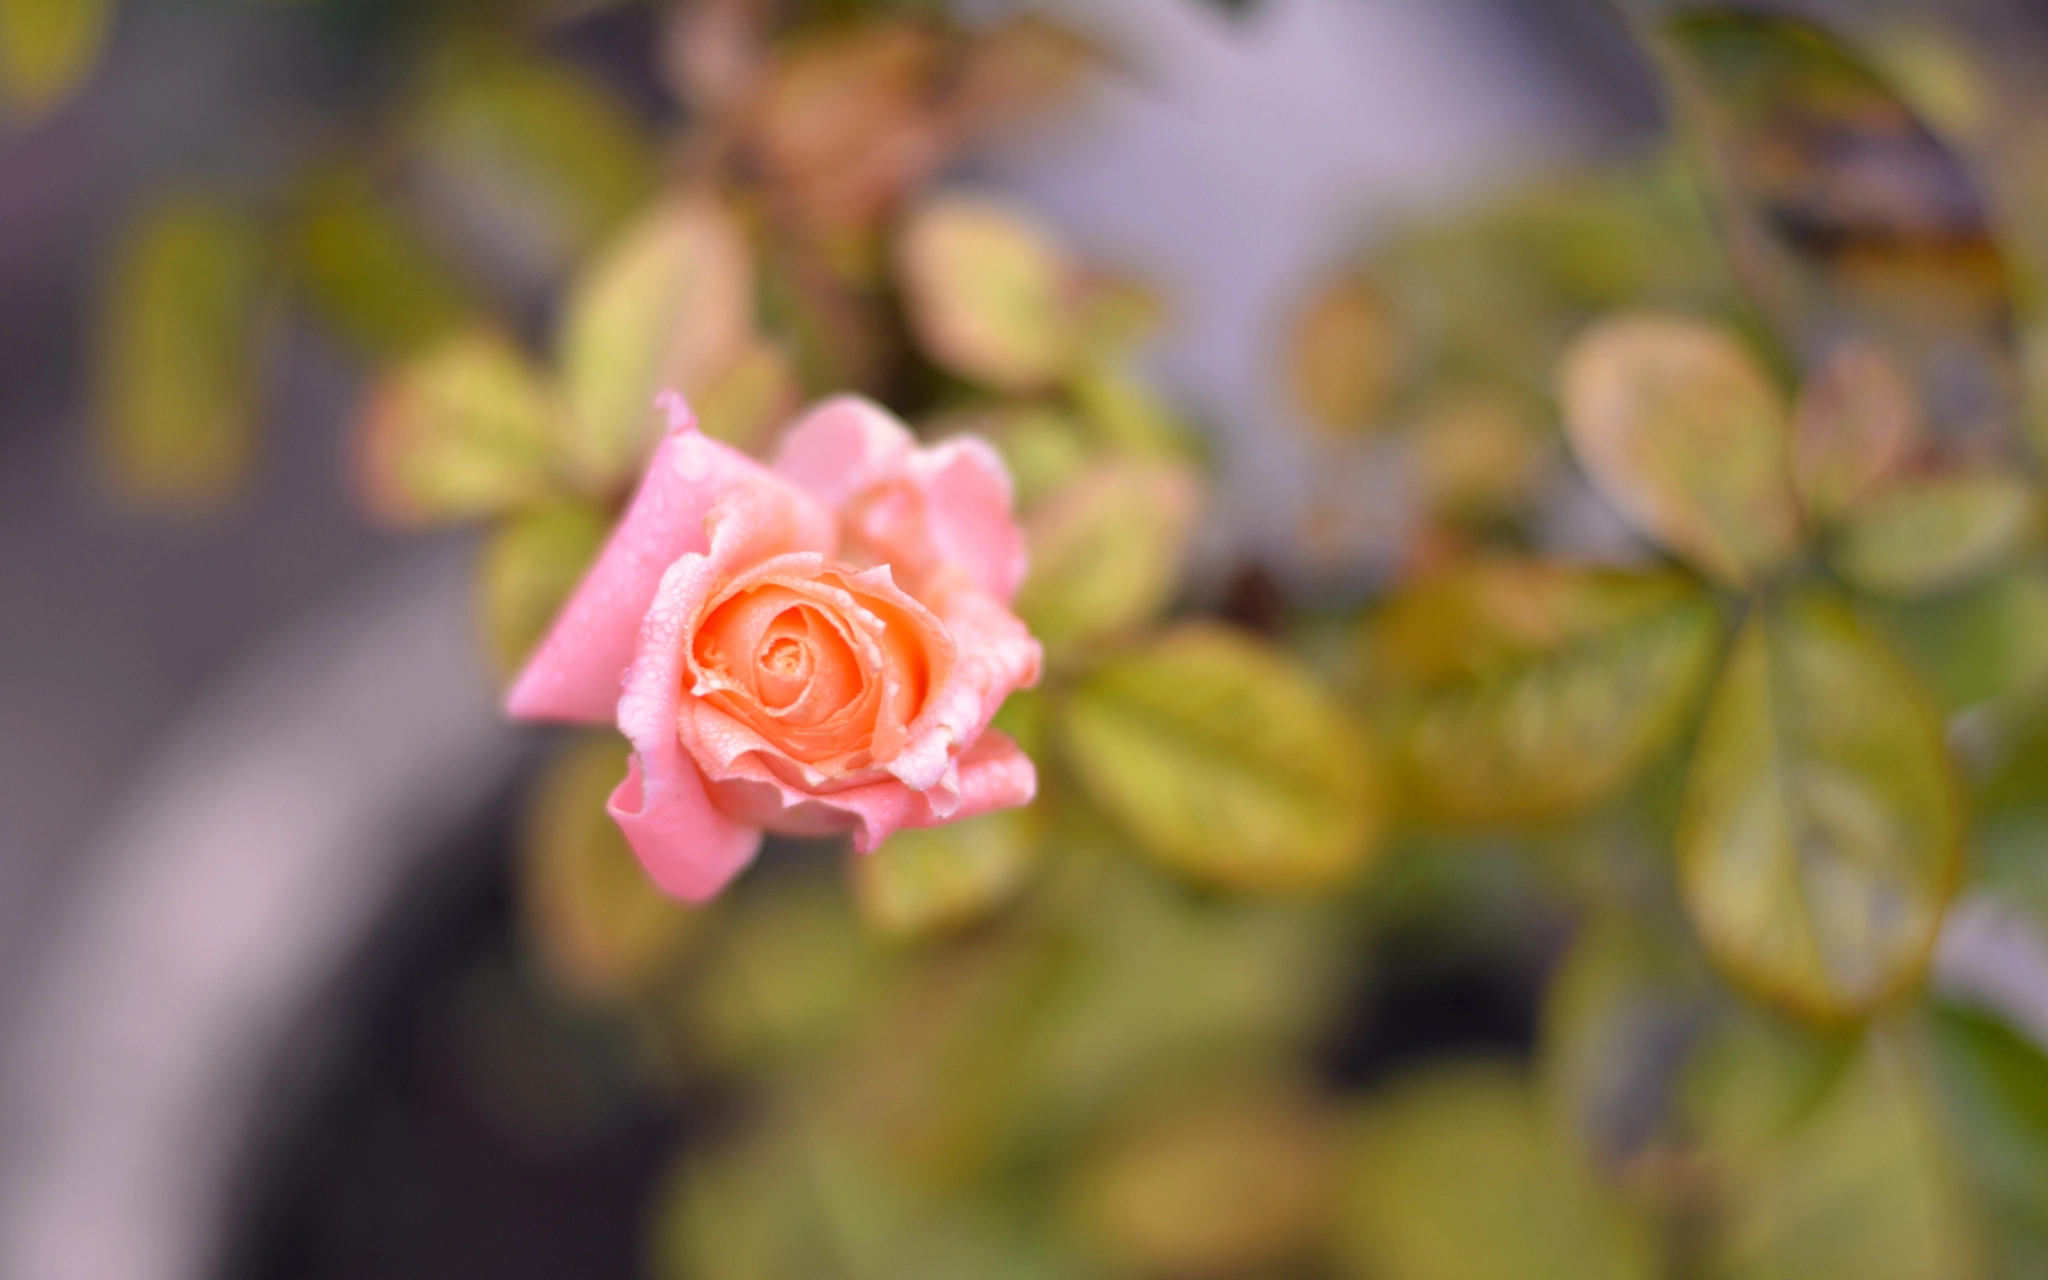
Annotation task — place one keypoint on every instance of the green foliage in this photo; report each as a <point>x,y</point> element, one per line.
<point>47,48</point>
<point>531,562</point>
<point>1225,762</point>
<point>935,880</point>
<point>181,326</point>
<point>1106,552</point>
<point>1822,829</point>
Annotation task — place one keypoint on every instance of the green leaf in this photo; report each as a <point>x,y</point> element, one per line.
<point>540,154</point>
<point>1856,422</point>
<point>179,351</point>
<point>1993,1085</point>
<point>600,926</point>
<point>47,47</point>
<point>667,305</point>
<point>1977,644</point>
<point>1043,447</point>
<point>989,293</point>
<point>935,880</point>
<point>468,428</point>
<point>530,564</point>
<point>1821,829</point>
<point>1226,762</point>
<point>369,272</point>
<point>1127,415</point>
<point>1456,1175</point>
<point>1857,1188</point>
<point>1526,690</point>
<point>1106,551</point>
<point>1929,535</point>
<point>1226,1180</point>
<point>1796,128</point>
<point>1684,432</point>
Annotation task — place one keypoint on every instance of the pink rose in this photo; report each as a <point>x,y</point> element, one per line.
<point>809,648</point>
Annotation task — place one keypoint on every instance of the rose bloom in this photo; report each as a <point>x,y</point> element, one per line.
<point>809,648</point>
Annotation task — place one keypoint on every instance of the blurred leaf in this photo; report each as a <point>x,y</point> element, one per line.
<point>179,353</point>
<point>668,304</point>
<point>1621,1013</point>
<point>1455,1175</point>
<point>465,429</point>
<point>1848,216</point>
<point>989,293</point>
<point>1977,644</point>
<point>1683,431</point>
<point>542,157</point>
<point>1993,1085</point>
<point>1127,415</point>
<point>934,880</point>
<point>1478,455</point>
<point>1044,447</point>
<point>1858,1188</point>
<point>47,47</point>
<point>1756,1078</point>
<point>1345,355</point>
<point>1106,551</point>
<point>1226,762</point>
<point>1856,421</point>
<point>598,922</point>
<point>1530,690</point>
<point>750,399</point>
<point>1021,64</point>
<point>1220,1183</point>
<point>369,272</point>
<point>848,121</point>
<point>530,565</point>
<point>1932,534</point>
<point>1821,832</point>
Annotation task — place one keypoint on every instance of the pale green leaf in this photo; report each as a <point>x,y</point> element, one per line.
<point>47,47</point>
<point>1526,690</point>
<point>1976,644</point>
<point>667,305</point>
<point>1684,432</point>
<point>933,880</point>
<point>600,926</point>
<point>1106,551</point>
<point>467,428</point>
<point>530,564</point>
<point>179,351</point>
<point>1457,1175</point>
<point>369,272</point>
<point>1993,1087</point>
<point>990,294</point>
<point>1928,535</point>
<point>1856,421</point>
<point>1226,762</point>
<point>1821,829</point>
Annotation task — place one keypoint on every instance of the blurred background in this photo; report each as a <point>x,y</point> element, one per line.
<point>1499,406</point>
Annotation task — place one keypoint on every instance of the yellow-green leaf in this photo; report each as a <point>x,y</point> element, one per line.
<point>540,156</point>
<point>47,47</point>
<point>369,272</point>
<point>599,924</point>
<point>1224,1182</point>
<point>1478,455</point>
<point>1683,431</point>
<point>1527,690</point>
<point>1106,551</point>
<point>1226,762</point>
<point>933,880</point>
<point>179,351</point>
<point>1345,354</point>
<point>1976,644</point>
<point>1043,447</point>
<point>1857,419</point>
<point>750,399</point>
<point>1127,415</point>
<point>1993,1084</point>
<point>1821,828</point>
<point>1929,535</point>
<point>467,428</point>
<point>668,305</point>
<point>1457,1175</point>
<point>990,293</point>
<point>530,565</point>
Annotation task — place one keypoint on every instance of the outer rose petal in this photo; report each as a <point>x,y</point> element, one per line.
<point>947,507</point>
<point>575,673</point>
<point>992,774</point>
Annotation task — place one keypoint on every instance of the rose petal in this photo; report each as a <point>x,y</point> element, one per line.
<point>689,847</point>
<point>992,774</point>
<point>945,511</point>
<point>575,673</point>
<point>995,657</point>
